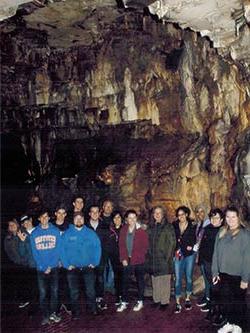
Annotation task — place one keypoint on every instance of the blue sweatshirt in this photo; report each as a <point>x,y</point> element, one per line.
<point>46,247</point>
<point>80,248</point>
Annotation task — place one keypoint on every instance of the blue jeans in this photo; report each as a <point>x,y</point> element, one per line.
<point>48,291</point>
<point>74,276</point>
<point>186,266</point>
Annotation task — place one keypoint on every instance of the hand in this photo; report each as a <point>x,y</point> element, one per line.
<point>91,266</point>
<point>196,247</point>
<point>243,285</point>
<point>189,248</point>
<point>124,263</point>
<point>21,235</point>
<point>71,267</point>
<point>48,270</point>
<point>216,279</point>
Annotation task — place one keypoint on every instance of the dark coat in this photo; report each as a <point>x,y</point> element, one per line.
<point>140,246</point>
<point>162,244</point>
<point>206,249</point>
<point>188,238</point>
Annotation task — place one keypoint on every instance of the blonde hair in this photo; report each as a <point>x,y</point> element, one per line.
<point>225,229</point>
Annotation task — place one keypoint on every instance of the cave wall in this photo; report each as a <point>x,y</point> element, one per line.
<point>159,99</point>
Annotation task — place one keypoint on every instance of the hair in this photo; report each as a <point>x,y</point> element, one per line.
<point>216,211</point>
<point>107,200</point>
<point>78,196</point>
<point>225,229</point>
<point>130,211</point>
<point>42,211</point>
<point>78,214</point>
<point>116,212</point>
<point>152,220</point>
<point>94,206</point>
<point>61,206</point>
<point>185,209</point>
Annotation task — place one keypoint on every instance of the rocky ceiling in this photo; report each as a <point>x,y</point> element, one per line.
<point>72,22</point>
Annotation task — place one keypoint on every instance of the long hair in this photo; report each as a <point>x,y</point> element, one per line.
<point>225,229</point>
<point>164,218</point>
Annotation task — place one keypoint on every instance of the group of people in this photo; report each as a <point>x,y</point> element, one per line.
<point>58,253</point>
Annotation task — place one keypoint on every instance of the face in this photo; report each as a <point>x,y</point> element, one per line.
<point>232,220</point>
<point>158,215</point>
<point>60,215</point>
<point>131,220</point>
<point>216,220</point>
<point>200,214</point>
<point>94,213</point>
<point>12,227</point>
<point>27,224</point>
<point>78,204</point>
<point>117,220</point>
<point>44,219</point>
<point>78,221</point>
<point>182,216</point>
<point>107,208</point>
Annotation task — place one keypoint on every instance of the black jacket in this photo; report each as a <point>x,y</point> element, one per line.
<point>188,238</point>
<point>207,243</point>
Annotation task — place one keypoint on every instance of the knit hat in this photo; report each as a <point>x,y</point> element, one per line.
<point>24,218</point>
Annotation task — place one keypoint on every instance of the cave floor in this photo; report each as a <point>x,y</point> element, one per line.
<point>147,320</point>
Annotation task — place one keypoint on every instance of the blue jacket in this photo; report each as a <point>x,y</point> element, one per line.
<point>46,247</point>
<point>80,248</point>
<point>26,252</point>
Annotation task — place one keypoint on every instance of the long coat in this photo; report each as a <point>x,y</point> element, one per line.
<point>162,244</point>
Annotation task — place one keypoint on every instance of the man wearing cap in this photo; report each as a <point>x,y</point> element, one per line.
<point>81,253</point>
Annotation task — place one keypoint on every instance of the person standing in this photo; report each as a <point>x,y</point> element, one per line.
<point>81,253</point>
<point>133,246</point>
<point>162,244</point>
<point>184,258</point>
<point>46,249</point>
<point>231,268</point>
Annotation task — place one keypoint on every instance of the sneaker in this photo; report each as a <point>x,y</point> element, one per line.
<point>188,305</point>
<point>101,304</point>
<point>23,305</point>
<point>55,318</point>
<point>205,308</point>
<point>209,316</point>
<point>121,307</point>
<point>138,306</point>
<point>118,300</point>
<point>66,309</point>
<point>177,308</point>
<point>226,328</point>
<point>236,329</point>
<point>202,301</point>
<point>45,321</point>
<point>219,320</point>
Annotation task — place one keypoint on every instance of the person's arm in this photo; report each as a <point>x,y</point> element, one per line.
<point>97,250</point>
<point>215,262</point>
<point>170,242</point>
<point>245,275</point>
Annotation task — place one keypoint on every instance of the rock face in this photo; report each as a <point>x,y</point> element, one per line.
<point>142,112</point>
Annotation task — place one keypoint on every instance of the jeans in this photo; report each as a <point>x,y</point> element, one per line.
<point>48,291</point>
<point>99,275</point>
<point>117,269</point>
<point>207,284</point>
<point>139,274</point>
<point>63,291</point>
<point>184,265</point>
<point>74,276</point>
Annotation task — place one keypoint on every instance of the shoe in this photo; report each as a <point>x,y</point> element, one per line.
<point>209,316</point>
<point>205,308</point>
<point>164,307</point>
<point>236,329</point>
<point>55,318</point>
<point>121,307</point>
<point>101,304</point>
<point>66,309</point>
<point>118,300</point>
<point>155,305</point>
<point>177,308</point>
<point>45,321</point>
<point>23,305</point>
<point>226,328</point>
<point>76,317</point>
<point>202,301</point>
<point>138,306</point>
<point>219,321</point>
<point>188,305</point>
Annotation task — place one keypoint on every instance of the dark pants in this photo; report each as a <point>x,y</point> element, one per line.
<point>99,275</point>
<point>63,290</point>
<point>232,299</point>
<point>117,268</point>
<point>74,276</point>
<point>48,291</point>
<point>138,270</point>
